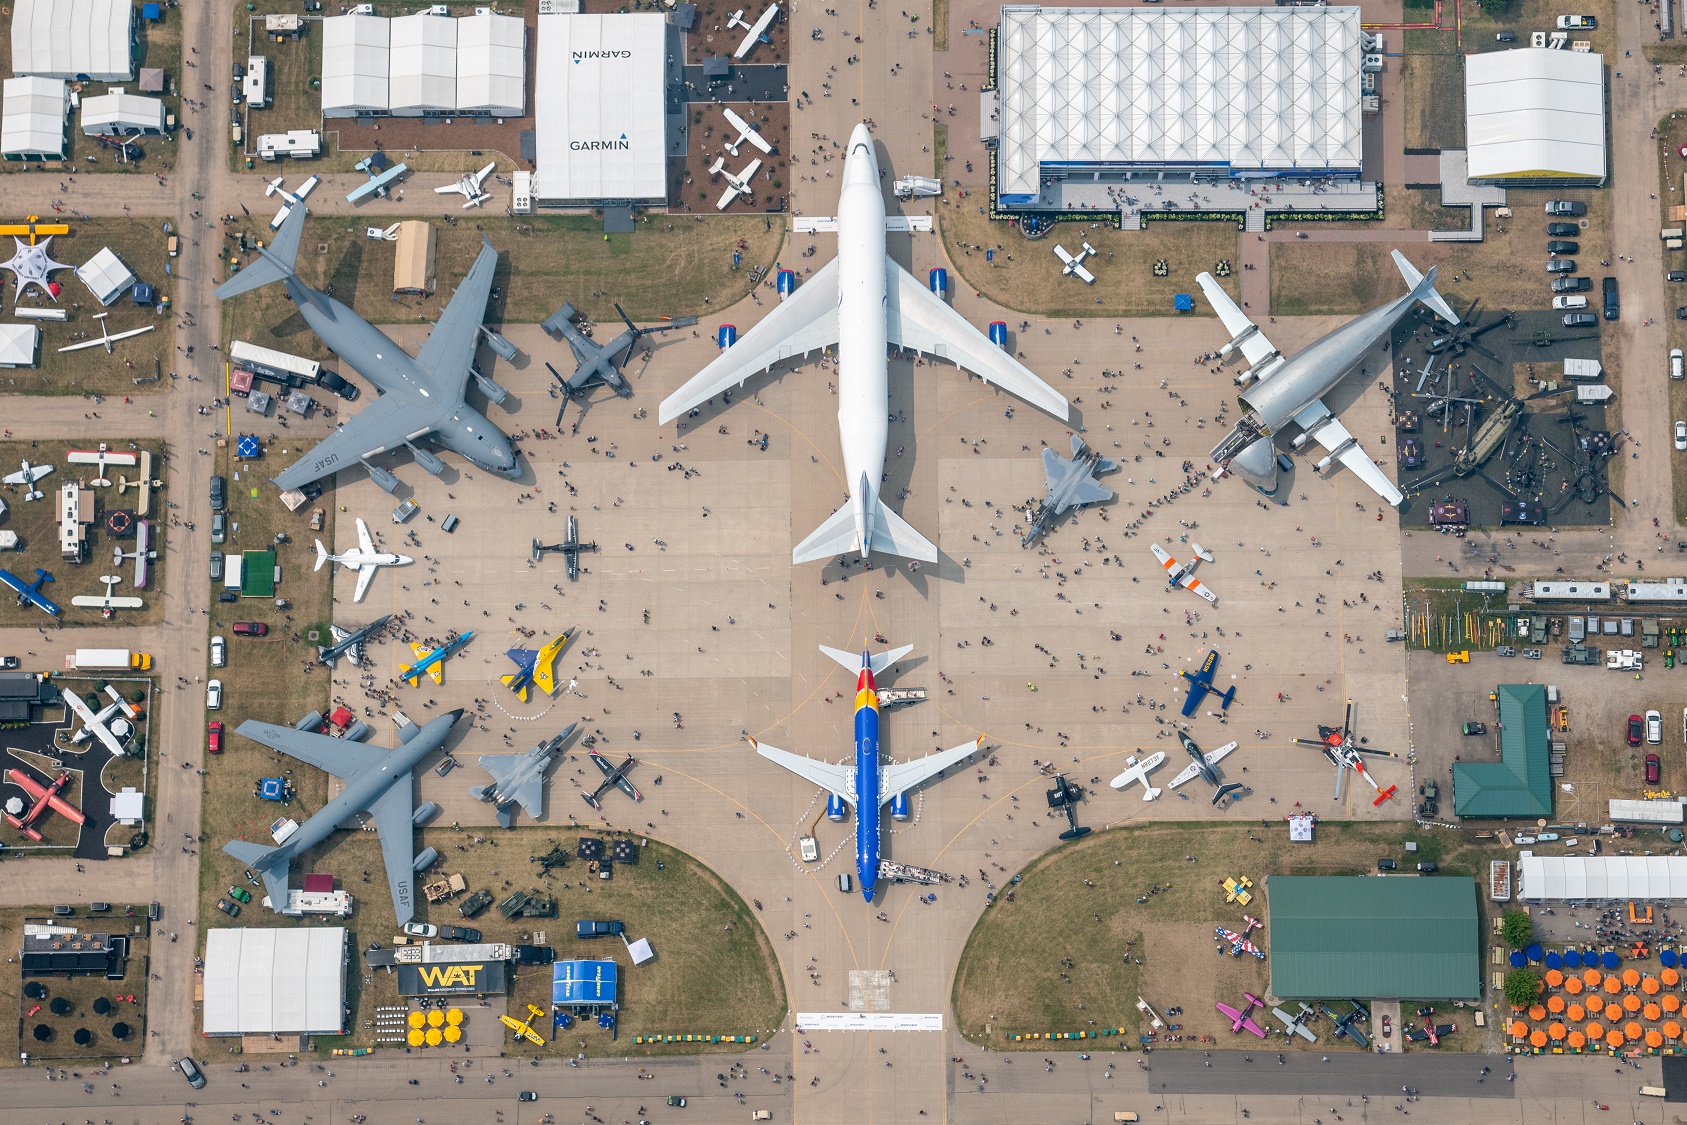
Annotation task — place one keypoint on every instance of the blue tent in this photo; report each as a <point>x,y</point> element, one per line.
<point>1183,302</point>
<point>152,12</point>
<point>271,788</point>
<point>246,447</point>
<point>1609,960</point>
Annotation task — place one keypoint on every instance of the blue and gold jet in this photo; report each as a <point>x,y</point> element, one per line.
<point>535,667</point>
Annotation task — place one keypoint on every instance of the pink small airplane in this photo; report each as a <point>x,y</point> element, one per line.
<point>1240,1019</point>
<point>1250,924</point>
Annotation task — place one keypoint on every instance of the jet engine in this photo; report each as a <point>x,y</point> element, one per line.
<point>431,464</point>
<point>835,807</point>
<point>383,479</point>
<point>899,807</point>
<point>494,393</point>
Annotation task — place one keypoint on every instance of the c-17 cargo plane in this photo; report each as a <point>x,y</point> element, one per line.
<point>420,395</point>
<point>376,780</point>
<point>1068,484</point>
<point>1279,391</point>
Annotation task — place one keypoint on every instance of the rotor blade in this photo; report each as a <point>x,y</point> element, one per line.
<point>630,326</point>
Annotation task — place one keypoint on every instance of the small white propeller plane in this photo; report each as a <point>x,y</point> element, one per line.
<point>1074,264</point>
<point>470,187</point>
<point>752,32</point>
<point>27,476</point>
<point>1181,574</point>
<point>293,198</point>
<point>107,603</point>
<point>107,338</point>
<point>736,185</point>
<point>100,458</point>
<point>1139,771</point>
<point>745,133</point>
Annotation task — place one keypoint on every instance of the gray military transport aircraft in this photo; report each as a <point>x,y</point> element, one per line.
<point>419,396</point>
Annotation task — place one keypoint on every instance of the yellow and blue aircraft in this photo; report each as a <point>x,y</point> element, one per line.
<point>431,661</point>
<point>535,667</point>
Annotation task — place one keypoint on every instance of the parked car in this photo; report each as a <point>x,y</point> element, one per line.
<point>8,663</point>
<point>1654,769</point>
<point>214,736</point>
<point>1559,247</point>
<point>586,928</point>
<point>1675,367</point>
<point>219,527</point>
<point>1562,230</point>
<point>1681,437</point>
<point>534,954</point>
<point>1476,728</point>
<point>1387,1026</point>
<point>1572,284</point>
<point>527,1096</point>
<point>1428,867</point>
<point>219,652</point>
<point>1569,302</point>
<point>1566,207</point>
<point>1387,865</point>
<point>240,895</point>
<point>466,934</point>
<point>232,909</point>
<point>216,566</point>
<point>251,629</point>
<point>1634,730</point>
<point>219,493</point>
<point>339,386</point>
<point>1677,275</point>
<point>1577,23</point>
<point>1505,37</point>
<point>676,1100</point>
<point>213,695</point>
<point>1561,265</point>
<point>421,929</point>
<point>1654,727</point>
<point>191,1073</point>
<point>1580,320</point>
<point>1613,308</point>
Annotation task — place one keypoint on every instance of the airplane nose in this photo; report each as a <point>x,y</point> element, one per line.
<point>455,715</point>
<point>860,135</point>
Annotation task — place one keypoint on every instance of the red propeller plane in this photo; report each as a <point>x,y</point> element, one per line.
<point>45,797</point>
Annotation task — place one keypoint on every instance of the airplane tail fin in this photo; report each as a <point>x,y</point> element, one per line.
<point>275,261</point>
<point>888,533</point>
<point>892,535</point>
<point>836,536</point>
<point>509,681</point>
<point>1423,288</point>
<point>1225,791</point>
<point>262,858</point>
<point>851,662</point>
<point>321,554</point>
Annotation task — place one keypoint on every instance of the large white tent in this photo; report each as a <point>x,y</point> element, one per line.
<point>119,113</point>
<point>88,39</point>
<point>600,120</point>
<point>32,123</point>
<point>491,65</point>
<point>1236,91</point>
<point>1535,117</point>
<point>19,344</point>
<point>354,65</point>
<point>423,65</point>
<point>274,982</point>
<point>1602,878</point>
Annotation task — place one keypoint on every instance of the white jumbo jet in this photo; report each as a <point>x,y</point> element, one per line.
<point>470,187</point>
<point>1138,772</point>
<point>736,185</point>
<point>27,476</point>
<point>1074,264</point>
<point>745,133</point>
<point>864,302</point>
<point>362,558</point>
<point>1180,574</point>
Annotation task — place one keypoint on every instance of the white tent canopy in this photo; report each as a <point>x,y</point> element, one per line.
<point>1536,115</point>
<point>272,981</point>
<point>105,275</point>
<point>600,120</point>
<point>34,117</point>
<point>122,114</point>
<point>1603,878</point>
<point>1272,90</point>
<point>354,64</point>
<point>423,62</point>
<point>73,39</point>
<point>492,64</point>
<point>18,345</point>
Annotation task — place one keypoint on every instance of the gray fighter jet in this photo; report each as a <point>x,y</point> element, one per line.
<point>1280,390</point>
<point>519,779</point>
<point>594,362</point>
<point>1069,484</point>
<point>419,396</point>
<point>376,780</point>
<point>348,642</point>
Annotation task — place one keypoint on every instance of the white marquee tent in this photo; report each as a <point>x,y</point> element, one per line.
<point>1602,878</point>
<point>271,981</point>
<point>1262,91</point>
<point>119,113</point>
<point>601,125</point>
<point>354,65</point>
<point>19,344</point>
<point>492,65</point>
<point>423,62</point>
<point>32,123</point>
<point>1535,116</point>
<point>73,39</point>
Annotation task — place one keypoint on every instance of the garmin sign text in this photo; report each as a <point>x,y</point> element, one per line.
<point>478,978</point>
<point>582,56</point>
<point>621,144</point>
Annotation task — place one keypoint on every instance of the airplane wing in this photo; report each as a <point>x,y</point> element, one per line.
<point>1249,1024</point>
<point>451,189</point>
<point>451,344</point>
<point>1229,1011</point>
<point>35,473</point>
<point>898,779</point>
<point>1287,1020</point>
<point>1060,252</point>
<point>919,319</point>
<point>1333,436</point>
<point>839,780</point>
<point>808,320</point>
<point>1140,772</point>
<point>544,673</point>
<point>392,812</point>
<point>1193,585</point>
<point>1054,468</point>
<point>1187,775</point>
<point>604,766</point>
<point>727,196</point>
<point>365,575</point>
<point>1256,347</point>
<point>339,756</point>
<point>365,541</point>
<point>1214,757</point>
<point>385,423</point>
<point>1305,1033</point>
<point>480,176</point>
<point>1089,491</point>
<point>1197,692</point>
<point>1083,273</point>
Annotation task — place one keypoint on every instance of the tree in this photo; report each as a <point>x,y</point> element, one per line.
<point>1521,987</point>
<point>1517,928</point>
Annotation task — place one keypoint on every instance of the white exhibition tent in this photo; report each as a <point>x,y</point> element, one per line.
<point>354,65</point>
<point>119,113</point>
<point>600,122</point>
<point>105,275</point>
<point>265,981</point>
<point>492,65</point>
<point>32,122</point>
<point>1535,115</point>
<point>1602,878</point>
<point>18,345</point>
<point>1254,90</point>
<point>423,65</point>
<point>73,39</point>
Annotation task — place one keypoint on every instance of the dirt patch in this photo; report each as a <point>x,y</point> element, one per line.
<point>691,186</point>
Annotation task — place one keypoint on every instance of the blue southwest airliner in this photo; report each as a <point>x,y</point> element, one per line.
<point>867,784</point>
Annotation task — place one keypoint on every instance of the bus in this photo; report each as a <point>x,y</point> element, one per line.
<point>265,360</point>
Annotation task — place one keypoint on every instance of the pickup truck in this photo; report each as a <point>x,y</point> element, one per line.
<point>586,928</point>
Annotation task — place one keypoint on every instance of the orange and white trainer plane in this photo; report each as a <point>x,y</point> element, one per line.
<point>1184,575</point>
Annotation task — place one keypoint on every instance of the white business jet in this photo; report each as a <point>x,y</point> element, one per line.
<point>470,187</point>
<point>362,558</point>
<point>736,185</point>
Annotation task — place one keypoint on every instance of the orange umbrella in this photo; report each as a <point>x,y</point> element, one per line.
<point>1614,1039</point>
<point>1555,1004</point>
<point>1536,1012</point>
<point>1650,986</point>
<point>1519,1029</point>
<point>1595,1031</point>
<point>1670,1001</point>
<point>1631,1002</point>
<point>1590,977</point>
<point>1652,1012</point>
<point>1557,1031</point>
<point>1631,977</point>
<point>1653,1039</point>
<point>1671,977</point>
<point>1537,1038</point>
<point>1672,1030</point>
<point>1573,985</point>
<point>1632,1030</point>
<point>1577,1040</point>
<point>1575,1014</point>
<point>1613,985</point>
<point>1554,978</point>
<point>1613,1012</point>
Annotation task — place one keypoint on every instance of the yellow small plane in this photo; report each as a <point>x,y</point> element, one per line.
<point>523,1029</point>
<point>535,667</point>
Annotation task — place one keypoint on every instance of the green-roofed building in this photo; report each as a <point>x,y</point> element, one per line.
<point>257,574</point>
<point>1520,783</point>
<point>1373,936</point>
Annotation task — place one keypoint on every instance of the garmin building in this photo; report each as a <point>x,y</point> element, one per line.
<point>1116,95</point>
<point>600,122</point>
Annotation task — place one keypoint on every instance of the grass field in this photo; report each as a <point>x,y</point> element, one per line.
<point>1026,277</point>
<point>1672,181</point>
<point>80,991</point>
<point>1086,934</point>
<point>292,64</point>
<point>671,266</point>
